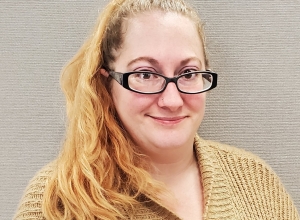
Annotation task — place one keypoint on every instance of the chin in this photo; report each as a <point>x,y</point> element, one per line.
<point>171,144</point>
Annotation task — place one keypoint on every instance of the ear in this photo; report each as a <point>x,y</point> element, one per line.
<point>104,72</point>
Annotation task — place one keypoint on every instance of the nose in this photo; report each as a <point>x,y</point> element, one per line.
<point>170,98</point>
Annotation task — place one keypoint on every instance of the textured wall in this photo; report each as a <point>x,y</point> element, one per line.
<point>254,46</point>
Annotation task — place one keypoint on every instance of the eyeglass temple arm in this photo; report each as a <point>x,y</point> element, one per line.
<point>117,76</point>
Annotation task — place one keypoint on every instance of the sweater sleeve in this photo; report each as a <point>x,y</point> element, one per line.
<point>30,206</point>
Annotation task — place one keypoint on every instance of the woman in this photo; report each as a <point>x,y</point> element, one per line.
<point>135,99</point>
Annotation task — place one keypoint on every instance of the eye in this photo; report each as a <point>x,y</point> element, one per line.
<point>189,76</point>
<point>186,74</point>
<point>144,72</point>
<point>189,70</point>
<point>145,75</point>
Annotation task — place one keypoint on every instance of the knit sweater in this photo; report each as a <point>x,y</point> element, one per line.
<point>236,185</point>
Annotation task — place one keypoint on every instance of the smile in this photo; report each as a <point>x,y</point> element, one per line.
<point>168,120</point>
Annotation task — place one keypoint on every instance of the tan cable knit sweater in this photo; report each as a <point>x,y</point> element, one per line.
<point>236,184</point>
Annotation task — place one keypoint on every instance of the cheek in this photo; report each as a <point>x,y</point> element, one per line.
<point>120,97</point>
<point>196,102</point>
<point>130,103</point>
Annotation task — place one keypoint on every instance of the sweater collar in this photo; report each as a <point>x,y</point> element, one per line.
<point>214,184</point>
<point>217,197</point>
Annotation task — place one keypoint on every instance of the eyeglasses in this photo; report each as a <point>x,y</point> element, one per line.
<point>152,83</point>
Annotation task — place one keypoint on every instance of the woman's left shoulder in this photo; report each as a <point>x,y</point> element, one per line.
<point>229,153</point>
<point>248,179</point>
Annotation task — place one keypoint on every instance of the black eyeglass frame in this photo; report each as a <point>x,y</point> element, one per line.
<point>122,79</point>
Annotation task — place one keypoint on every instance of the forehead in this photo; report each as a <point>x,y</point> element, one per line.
<point>157,33</point>
<point>149,20</point>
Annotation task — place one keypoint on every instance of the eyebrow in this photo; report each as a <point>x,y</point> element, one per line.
<point>155,62</point>
<point>148,59</point>
<point>185,61</point>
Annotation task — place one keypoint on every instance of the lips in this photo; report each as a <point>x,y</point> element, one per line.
<point>168,120</point>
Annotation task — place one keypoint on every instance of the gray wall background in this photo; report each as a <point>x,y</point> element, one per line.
<point>254,46</point>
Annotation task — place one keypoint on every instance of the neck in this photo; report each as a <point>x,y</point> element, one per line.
<point>174,167</point>
<point>182,179</point>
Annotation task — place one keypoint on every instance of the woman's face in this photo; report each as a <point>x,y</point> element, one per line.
<point>167,43</point>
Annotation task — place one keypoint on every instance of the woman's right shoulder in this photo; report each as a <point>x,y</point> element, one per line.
<point>30,206</point>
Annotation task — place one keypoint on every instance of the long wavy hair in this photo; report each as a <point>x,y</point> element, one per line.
<point>100,172</point>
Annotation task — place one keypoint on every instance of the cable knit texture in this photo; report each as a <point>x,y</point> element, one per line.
<point>236,184</point>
